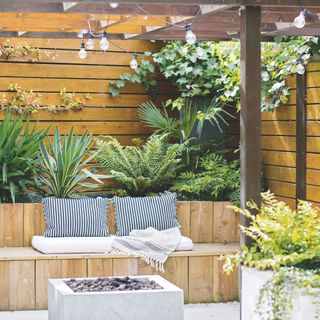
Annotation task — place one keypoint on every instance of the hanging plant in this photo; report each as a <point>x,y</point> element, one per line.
<point>213,69</point>
<point>24,50</point>
<point>25,102</point>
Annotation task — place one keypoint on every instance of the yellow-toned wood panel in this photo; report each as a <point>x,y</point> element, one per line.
<point>313,161</point>
<point>224,229</point>
<point>200,279</point>
<point>97,128</point>
<point>281,143</point>
<point>285,174</point>
<point>278,128</point>
<point>313,177</point>
<point>225,287</point>
<point>73,44</point>
<point>11,220</point>
<point>100,267</point>
<point>184,217</point>
<point>313,193</point>
<point>284,189</point>
<point>202,220</point>
<point>76,85</point>
<point>313,79</point>
<point>125,267</point>
<point>17,285</point>
<point>288,201</point>
<point>33,222</point>
<point>279,158</point>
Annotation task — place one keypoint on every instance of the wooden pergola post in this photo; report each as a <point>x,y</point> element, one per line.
<point>250,115</point>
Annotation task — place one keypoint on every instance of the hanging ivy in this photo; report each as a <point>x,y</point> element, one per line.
<point>213,68</point>
<point>24,102</point>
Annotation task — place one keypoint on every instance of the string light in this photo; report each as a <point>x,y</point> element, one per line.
<point>82,53</point>
<point>104,43</point>
<point>134,62</point>
<point>90,42</point>
<point>190,36</point>
<point>300,20</point>
<point>114,5</point>
<point>300,68</point>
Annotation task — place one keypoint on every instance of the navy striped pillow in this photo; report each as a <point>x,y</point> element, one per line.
<point>142,212</point>
<point>76,217</point>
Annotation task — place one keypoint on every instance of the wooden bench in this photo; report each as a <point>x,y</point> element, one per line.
<point>24,272</point>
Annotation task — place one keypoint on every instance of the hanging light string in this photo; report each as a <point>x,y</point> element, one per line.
<point>300,21</point>
<point>168,23</point>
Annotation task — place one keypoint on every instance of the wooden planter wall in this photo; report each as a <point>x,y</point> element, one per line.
<point>202,221</point>
<point>24,272</point>
<point>279,142</point>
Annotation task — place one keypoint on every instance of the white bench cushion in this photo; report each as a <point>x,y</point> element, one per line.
<point>86,244</point>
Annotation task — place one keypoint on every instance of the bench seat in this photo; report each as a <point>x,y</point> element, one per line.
<point>24,273</point>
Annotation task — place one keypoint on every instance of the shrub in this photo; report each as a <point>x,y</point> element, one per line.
<point>19,146</point>
<point>215,179</point>
<point>282,237</point>
<point>141,170</point>
<point>63,165</point>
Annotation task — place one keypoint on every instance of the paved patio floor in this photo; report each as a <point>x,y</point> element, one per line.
<point>218,311</point>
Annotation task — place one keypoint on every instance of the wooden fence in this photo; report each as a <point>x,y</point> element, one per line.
<point>279,143</point>
<point>60,67</point>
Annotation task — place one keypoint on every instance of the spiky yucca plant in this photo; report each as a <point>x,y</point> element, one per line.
<point>141,170</point>
<point>63,165</point>
<point>19,146</point>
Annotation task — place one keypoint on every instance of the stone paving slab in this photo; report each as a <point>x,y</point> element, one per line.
<point>216,311</point>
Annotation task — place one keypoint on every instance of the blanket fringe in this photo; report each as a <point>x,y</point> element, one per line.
<point>155,263</point>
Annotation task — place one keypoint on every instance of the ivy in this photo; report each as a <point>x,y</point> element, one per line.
<point>213,69</point>
<point>24,102</point>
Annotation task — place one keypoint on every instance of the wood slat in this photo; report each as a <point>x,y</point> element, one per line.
<point>278,128</point>
<point>184,217</point>
<point>224,229</point>
<point>76,85</point>
<point>225,287</point>
<point>286,159</point>
<point>202,216</point>
<point>200,279</point>
<point>11,222</point>
<point>100,267</point>
<point>284,189</point>
<point>73,44</point>
<point>284,174</point>
<point>125,267</point>
<point>17,285</point>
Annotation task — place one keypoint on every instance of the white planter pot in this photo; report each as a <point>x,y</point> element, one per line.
<point>252,280</point>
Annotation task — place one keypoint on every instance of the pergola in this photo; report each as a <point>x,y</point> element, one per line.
<point>252,21</point>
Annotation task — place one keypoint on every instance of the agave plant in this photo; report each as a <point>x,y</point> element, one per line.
<point>63,165</point>
<point>141,170</point>
<point>19,146</point>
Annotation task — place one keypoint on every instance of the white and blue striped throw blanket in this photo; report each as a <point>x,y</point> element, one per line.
<point>150,244</point>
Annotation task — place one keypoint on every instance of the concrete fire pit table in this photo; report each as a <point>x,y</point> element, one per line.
<point>152,304</point>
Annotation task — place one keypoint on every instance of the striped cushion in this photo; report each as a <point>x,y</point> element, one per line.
<point>76,217</point>
<point>140,213</point>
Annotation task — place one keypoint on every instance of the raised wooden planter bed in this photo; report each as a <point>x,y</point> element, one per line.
<point>202,221</point>
<point>24,272</point>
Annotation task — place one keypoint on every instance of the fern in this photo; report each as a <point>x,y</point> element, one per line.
<point>141,170</point>
<point>214,180</point>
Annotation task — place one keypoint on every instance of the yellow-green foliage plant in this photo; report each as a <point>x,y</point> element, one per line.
<point>282,237</point>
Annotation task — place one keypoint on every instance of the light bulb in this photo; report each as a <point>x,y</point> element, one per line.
<point>134,62</point>
<point>0,53</point>
<point>104,43</point>
<point>82,53</point>
<point>90,43</point>
<point>300,20</point>
<point>265,76</point>
<point>114,5</point>
<point>300,68</point>
<point>190,36</point>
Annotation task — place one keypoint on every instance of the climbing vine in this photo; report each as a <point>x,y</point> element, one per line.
<point>24,50</point>
<point>24,102</point>
<point>213,69</point>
